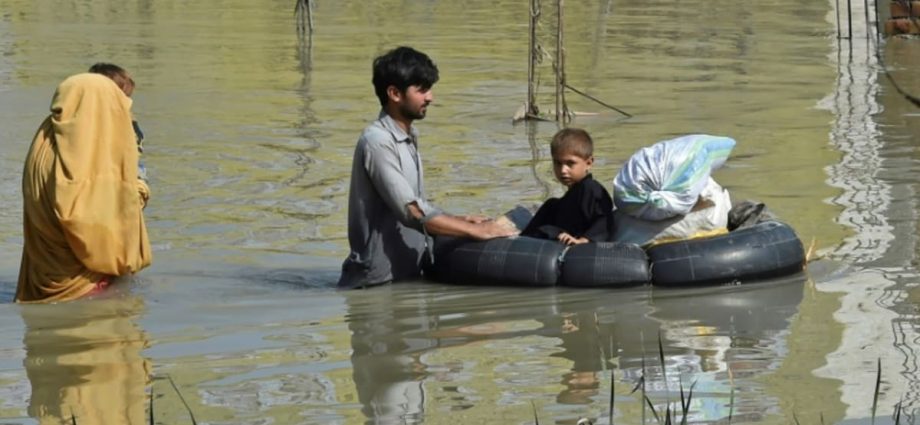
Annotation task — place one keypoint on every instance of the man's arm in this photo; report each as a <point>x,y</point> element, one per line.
<point>382,164</point>
<point>448,225</point>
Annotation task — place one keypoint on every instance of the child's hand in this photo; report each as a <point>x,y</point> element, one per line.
<point>571,240</point>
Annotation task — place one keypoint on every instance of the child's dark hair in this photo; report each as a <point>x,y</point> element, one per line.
<point>403,67</point>
<point>116,74</point>
<point>573,141</point>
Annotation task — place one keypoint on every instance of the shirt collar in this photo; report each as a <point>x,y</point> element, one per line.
<point>393,127</point>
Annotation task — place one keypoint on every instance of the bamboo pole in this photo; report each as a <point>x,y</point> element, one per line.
<point>837,10</point>
<point>878,26</point>
<point>556,64</point>
<point>310,5</point>
<point>562,82</point>
<point>560,58</point>
<point>530,107</point>
<point>850,21</point>
<point>304,12</point>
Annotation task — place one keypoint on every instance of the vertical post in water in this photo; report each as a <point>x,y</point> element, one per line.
<point>868,27</point>
<point>850,21</point>
<point>310,4</point>
<point>558,67</point>
<point>878,28</point>
<point>561,108</point>
<point>562,82</point>
<point>837,12</point>
<point>530,107</point>
<point>304,12</point>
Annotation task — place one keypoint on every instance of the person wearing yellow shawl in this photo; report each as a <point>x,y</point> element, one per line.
<point>82,201</point>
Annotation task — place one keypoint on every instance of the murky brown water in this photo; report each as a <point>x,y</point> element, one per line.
<point>250,134</point>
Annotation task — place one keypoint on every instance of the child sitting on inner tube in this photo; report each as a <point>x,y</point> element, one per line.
<point>585,213</point>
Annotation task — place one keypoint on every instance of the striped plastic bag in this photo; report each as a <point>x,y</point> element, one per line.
<point>665,180</point>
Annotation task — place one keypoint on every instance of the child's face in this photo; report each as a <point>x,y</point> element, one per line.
<point>125,82</point>
<point>570,168</point>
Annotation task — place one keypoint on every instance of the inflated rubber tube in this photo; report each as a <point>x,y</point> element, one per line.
<point>605,264</point>
<point>520,261</point>
<point>765,250</point>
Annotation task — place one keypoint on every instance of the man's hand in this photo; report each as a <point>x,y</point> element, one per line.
<point>474,227</point>
<point>571,240</point>
<point>476,219</point>
<point>494,229</point>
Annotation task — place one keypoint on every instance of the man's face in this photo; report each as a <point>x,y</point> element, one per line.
<point>414,102</point>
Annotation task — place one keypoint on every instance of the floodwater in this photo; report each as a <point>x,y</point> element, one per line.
<point>250,132</point>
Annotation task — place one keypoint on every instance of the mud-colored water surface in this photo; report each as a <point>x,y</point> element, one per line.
<point>250,132</point>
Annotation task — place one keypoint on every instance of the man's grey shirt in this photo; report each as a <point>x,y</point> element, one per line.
<point>386,242</point>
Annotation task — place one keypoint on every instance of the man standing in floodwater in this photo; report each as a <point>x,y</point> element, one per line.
<point>389,218</point>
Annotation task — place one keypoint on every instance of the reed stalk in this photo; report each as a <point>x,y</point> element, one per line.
<point>182,399</point>
<point>612,394</point>
<point>878,384</point>
<point>731,395</point>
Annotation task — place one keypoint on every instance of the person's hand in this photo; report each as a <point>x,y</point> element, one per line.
<point>495,229</point>
<point>144,191</point>
<point>476,219</point>
<point>571,240</point>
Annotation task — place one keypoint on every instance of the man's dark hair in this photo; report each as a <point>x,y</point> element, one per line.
<point>403,67</point>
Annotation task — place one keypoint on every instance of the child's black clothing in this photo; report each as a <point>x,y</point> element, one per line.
<point>141,169</point>
<point>585,210</point>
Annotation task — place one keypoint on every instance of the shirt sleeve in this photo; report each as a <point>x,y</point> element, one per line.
<point>598,208</point>
<point>381,161</point>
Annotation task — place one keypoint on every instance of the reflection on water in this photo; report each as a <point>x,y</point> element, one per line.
<point>855,134</point>
<point>251,132</point>
<point>84,362</point>
<point>411,357</point>
<point>874,197</point>
<point>901,121</point>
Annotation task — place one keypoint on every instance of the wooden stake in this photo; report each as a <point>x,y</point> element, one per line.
<point>530,107</point>
<point>559,6</point>
<point>837,10</point>
<point>566,116</point>
<point>850,21</point>
<point>304,11</point>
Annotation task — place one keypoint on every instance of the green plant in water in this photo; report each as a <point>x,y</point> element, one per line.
<point>670,414</point>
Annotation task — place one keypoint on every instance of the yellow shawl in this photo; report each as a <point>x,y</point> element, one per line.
<point>82,200</point>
